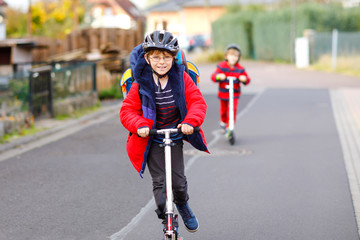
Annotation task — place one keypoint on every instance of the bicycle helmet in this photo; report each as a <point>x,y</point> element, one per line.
<point>161,40</point>
<point>233,46</point>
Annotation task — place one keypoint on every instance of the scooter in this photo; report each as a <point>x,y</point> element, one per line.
<point>171,219</point>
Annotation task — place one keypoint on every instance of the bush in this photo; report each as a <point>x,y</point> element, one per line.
<point>233,28</point>
<point>112,93</point>
<point>209,57</point>
<point>267,35</point>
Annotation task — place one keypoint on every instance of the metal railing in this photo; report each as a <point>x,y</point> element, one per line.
<point>34,88</point>
<point>334,44</point>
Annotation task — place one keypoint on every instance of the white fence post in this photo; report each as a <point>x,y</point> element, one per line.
<point>334,47</point>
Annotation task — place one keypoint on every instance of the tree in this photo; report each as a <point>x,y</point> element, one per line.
<point>39,17</point>
<point>49,18</point>
<point>15,23</point>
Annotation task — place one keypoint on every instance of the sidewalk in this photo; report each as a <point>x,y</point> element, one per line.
<point>52,126</point>
<point>352,98</point>
<point>346,106</point>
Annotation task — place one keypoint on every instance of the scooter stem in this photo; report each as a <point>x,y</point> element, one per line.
<point>231,103</point>
<point>169,193</point>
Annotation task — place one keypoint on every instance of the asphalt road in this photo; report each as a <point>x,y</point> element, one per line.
<point>284,178</point>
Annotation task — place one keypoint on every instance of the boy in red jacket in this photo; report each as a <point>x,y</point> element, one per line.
<point>227,68</point>
<point>163,96</point>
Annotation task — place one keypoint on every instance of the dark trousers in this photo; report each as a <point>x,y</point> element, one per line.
<point>156,165</point>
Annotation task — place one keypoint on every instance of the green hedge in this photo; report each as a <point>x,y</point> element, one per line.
<point>266,35</point>
<point>272,36</point>
<point>232,28</point>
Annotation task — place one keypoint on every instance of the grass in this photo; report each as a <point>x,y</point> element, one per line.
<point>15,135</point>
<point>79,113</point>
<point>33,130</point>
<point>345,65</point>
<point>208,56</point>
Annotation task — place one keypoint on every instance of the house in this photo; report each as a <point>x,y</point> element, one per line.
<point>114,14</point>
<point>190,17</point>
<point>16,57</point>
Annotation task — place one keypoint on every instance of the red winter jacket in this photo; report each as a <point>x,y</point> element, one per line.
<point>139,110</point>
<point>235,71</point>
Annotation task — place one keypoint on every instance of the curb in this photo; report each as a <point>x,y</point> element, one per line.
<point>349,136</point>
<point>104,110</point>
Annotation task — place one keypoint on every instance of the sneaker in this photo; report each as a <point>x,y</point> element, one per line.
<point>190,221</point>
<point>227,133</point>
<point>223,127</point>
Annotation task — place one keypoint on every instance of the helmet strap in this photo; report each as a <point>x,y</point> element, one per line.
<point>159,75</point>
<point>159,84</point>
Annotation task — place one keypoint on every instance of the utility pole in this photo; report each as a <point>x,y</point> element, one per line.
<point>29,20</point>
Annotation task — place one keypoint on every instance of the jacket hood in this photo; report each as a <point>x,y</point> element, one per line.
<point>144,77</point>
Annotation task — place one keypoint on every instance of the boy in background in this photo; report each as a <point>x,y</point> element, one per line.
<point>229,68</point>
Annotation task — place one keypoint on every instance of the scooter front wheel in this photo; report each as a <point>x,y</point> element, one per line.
<point>231,138</point>
<point>173,238</point>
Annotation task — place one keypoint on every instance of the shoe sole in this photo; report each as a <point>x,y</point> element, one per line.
<point>192,231</point>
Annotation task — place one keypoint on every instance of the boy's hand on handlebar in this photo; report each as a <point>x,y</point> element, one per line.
<point>186,129</point>
<point>243,78</point>
<point>143,132</point>
<point>221,76</point>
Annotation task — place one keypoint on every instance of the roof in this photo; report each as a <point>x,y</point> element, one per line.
<point>130,9</point>
<point>21,42</point>
<point>126,5</point>
<point>177,5</point>
<point>169,6</point>
<point>2,3</point>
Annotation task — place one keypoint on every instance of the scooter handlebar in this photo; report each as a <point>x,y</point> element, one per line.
<point>235,79</point>
<point>155,131</point>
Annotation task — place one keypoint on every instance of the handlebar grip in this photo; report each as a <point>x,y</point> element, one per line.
<point>196,129</point>
<point>153,132</point>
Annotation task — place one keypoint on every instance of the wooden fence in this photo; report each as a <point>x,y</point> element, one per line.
<point>114,44</point>
<point>88,40</point>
